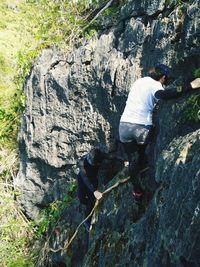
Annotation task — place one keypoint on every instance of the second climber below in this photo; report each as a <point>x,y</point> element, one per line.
<point>87,178</point>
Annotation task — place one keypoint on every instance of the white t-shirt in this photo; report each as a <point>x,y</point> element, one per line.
<point>141,101</point>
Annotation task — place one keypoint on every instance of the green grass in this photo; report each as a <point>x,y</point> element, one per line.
<point>27,26</point>
<point>16,34</point>
<point>15,233</point>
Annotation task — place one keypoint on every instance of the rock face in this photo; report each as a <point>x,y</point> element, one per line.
<point>74,102</point>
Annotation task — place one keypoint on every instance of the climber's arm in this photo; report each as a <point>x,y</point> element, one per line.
<point>173,92</point>
<point>167,94</point>
<point>87,183</point>
<point>98,195</point>
<point>83,174</point>
<point>86,180</point>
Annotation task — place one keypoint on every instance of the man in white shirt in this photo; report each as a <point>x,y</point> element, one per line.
<point>135,128</point>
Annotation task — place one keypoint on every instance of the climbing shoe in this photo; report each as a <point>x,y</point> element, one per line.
<point>138,196</point>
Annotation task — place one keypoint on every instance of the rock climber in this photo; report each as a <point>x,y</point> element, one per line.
<point>136,128</point>
<point>87,179</point>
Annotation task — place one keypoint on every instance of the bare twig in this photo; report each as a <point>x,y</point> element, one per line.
<point>94,208</point>
<point>65,248</point>
<point>21,214</point>
<point>73,36</point>
<point>6,184</point>
<point>116,185</point>
<point>98,14</point>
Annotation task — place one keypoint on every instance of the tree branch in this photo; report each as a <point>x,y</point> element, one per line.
<point>98,14</point>
<point>65,248</point>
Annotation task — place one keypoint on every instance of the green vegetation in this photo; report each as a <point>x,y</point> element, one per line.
<point>191,113</point>
<point>14,234</point>
<point>172,2</point>
<point>197,73</point>
<point>114,11</point>
<point>52,214</point>
<point>14,231</point>
<point>15,35</point>
<point>26,27</point>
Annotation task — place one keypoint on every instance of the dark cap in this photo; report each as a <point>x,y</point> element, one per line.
<point>164,69</point>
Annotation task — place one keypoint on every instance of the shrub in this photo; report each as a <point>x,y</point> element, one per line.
<point>197,73</point>
<point>192,110</point>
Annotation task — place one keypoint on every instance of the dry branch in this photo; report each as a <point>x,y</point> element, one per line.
<point>65,248</point>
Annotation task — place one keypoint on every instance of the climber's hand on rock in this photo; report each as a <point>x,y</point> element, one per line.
<point>98,195</point>
<point>195,84</point>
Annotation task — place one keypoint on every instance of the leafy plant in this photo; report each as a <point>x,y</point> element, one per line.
<point>175,2</point>
<point>24,61</point>
<point>51,215</point>
<point>197,73</point>
<point>9,119</point>
<point>89,34</point>
<point>191,113</point>
<point>112,12</point>
<point>60,22</point>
